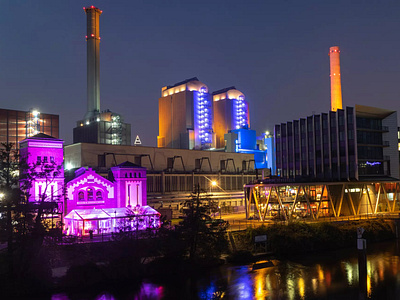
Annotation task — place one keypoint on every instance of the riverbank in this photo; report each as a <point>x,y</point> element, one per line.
<point>297,238</point>
<point>121,266</point>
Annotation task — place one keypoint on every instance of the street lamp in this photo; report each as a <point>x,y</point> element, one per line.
<point>213,183</point>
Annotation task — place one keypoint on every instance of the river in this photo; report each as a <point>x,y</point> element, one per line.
<point>332,275</point>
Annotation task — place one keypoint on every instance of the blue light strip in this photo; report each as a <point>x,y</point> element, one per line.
<point>240,109</point>
<point>204,112</point>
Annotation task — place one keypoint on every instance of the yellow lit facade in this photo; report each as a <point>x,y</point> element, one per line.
<point>336,85</point>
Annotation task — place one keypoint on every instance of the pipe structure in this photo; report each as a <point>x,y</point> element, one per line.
<point>93,61</point>
<point>336,85</point>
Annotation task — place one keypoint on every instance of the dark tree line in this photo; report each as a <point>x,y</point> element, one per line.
<point>22,223</point>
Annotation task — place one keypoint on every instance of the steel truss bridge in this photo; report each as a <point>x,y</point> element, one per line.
<point>320,200</point>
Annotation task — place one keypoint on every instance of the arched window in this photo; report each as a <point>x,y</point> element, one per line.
<point>135,174</point>
<point>99,195</point>
<point>81,196</point>
<point>126,175</point>
<point>131,175</point>
<point>139,174</point>
<point>90,194</point>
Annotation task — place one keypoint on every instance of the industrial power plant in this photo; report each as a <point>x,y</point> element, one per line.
<point>205,136</point>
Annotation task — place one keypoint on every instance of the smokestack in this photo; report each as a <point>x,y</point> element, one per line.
<point>93,61</point>
<point>336,85</point>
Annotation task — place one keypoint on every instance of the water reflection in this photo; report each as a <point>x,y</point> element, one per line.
<point>320,277</point>
<point>334,275</point>
<point>147,291</point>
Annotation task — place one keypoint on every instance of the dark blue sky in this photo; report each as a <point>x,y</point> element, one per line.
<point>275,52</point>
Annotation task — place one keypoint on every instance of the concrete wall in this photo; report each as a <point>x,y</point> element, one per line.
<point>83,154</point>
<point>175,115</point>
<point>222,120</point>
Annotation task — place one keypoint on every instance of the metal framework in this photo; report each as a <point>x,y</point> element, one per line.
<point>288,201</point>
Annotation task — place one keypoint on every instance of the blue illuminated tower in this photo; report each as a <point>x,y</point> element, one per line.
<point>231,111</point>
<point>185,113</point>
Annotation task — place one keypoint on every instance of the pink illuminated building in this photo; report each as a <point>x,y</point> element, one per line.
<point>44,152</point>
<point>100,205</point>
<point>92,203</point>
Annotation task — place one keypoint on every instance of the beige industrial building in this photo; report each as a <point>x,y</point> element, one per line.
<point>185,116</point>
<point>172,174</point>
<point>231,111</point>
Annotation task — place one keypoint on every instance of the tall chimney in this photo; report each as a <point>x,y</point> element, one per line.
<point>336,85</point>
<point>93,61</point>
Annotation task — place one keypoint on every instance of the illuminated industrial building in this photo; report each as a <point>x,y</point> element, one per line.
<point>99,127</point>
<point>245,141</point>
<point>185,113</point>
<point>343,145</point>
<point>231,111</point>
<point>16,125</point>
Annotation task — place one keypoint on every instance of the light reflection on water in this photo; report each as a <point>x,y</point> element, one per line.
<point>147,290</point>
<point>334,274</point>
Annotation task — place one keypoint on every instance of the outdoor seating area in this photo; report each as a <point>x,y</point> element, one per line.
<point>83,222</point>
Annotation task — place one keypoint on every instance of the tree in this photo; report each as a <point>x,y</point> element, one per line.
<point>205,238</point>
<point>31,224</point>
<point>9,194</point>
<point>25,228</point>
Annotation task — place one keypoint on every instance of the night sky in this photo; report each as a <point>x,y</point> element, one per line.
<point>275,52</point>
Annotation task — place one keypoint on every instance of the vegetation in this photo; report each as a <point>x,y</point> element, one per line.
<point>22,224</point>
<point>298,238</point>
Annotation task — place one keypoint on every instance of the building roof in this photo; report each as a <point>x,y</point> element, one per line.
<point>128,164</point>
<point>372,112</point>
<point>224,90</point>
<point>42,136</point>
<point>183,82</point>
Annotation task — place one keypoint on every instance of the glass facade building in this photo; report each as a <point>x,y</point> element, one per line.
<point>344,145</point>
<point>16,125</point>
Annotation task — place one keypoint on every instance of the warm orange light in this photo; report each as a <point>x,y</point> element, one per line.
<point>336,85</point>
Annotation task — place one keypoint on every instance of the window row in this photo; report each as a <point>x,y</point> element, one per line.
<point>88,195</point>
<point>134,175</point>
<point>44,159</point>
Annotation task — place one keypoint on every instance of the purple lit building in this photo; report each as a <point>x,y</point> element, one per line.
<point>42,151</point>
<point>92,203</point>
<point>105,205</point>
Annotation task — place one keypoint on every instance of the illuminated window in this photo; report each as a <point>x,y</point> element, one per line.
<point>99,195</point>
<point>52,159</point>
<point>81,196</point>
<point>90,194</point>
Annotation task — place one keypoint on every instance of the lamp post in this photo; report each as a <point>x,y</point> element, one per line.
<point>213,183</point>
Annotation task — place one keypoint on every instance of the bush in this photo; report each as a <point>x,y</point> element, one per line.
<point>298,238</point>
